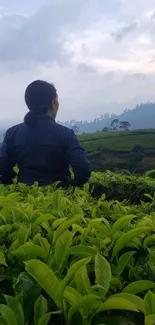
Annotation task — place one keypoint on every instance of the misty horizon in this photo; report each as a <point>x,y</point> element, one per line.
<point>100,56</point>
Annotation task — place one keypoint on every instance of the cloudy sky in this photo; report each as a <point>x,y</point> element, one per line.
<point>100,54</point>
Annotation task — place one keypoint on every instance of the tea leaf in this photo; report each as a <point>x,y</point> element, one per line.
<point>149,301</point>
<point>100,227</point>
<point>135,300</point>
<point>125,239</point>
<point>102,273</point>
<point>46,279</point>
<point>85,301</point>
<point>82,281</point>
<point>40,308</point>
<point>23,234</point>
<point>41,219</point>
<point>3,321</point>
<point>44,320</point>
<point>122,263</point>
<point>82,250</point>
<point>62,247</point>
<point>8,315</point>
<point>2,259</point>
<point>30,250</point>
<point>72,295</point>
<point>16,307</point>
<point>139,286</point>
<point>120,222</point>
<point>116,304</point>
<point>150,320</point>
<point>73,268</point>
<point>63,227</point>
<point>58,222</point>
<point>149,241</point>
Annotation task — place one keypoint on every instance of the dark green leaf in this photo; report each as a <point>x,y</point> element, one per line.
<point>40,308</point>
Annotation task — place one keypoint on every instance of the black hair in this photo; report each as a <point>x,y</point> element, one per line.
<point>38,97</point>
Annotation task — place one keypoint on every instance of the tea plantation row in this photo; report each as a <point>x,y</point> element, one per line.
<point>118,141</point>
<point>82,256</point>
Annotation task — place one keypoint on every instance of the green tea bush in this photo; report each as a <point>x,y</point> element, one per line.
<point>82,256</point>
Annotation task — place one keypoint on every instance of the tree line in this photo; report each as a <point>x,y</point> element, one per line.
<point>115,126</point>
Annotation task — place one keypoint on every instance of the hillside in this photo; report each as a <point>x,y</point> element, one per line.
<point>140,117</point>
<point>121,150</point>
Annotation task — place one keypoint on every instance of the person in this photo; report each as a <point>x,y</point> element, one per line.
<point>43,149</point>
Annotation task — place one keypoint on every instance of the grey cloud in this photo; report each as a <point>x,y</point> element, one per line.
<point>86,68</point>
<point>39,37</point>
<point>35,46</point>
<point>123,32</point>
<point>152,18</point>
<point>139,75</point>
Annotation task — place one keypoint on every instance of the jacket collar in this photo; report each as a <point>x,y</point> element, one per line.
<point>46,117</point>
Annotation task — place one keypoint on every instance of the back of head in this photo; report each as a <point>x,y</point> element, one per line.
<point>38,97</point>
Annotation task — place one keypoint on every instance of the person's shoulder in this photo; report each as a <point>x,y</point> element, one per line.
<point>64,130</point>
<point>10,131</point>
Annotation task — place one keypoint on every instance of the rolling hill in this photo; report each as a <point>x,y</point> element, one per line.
<point>121,150</point>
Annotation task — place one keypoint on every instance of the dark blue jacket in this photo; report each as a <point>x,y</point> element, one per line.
<point>43,153</point>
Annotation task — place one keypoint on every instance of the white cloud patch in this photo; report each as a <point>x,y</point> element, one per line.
<point>99,54</point>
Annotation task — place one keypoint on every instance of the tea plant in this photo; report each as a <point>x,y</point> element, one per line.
<point>74,256</point>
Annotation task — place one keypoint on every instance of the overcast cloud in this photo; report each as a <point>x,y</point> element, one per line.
<point>99,54</point>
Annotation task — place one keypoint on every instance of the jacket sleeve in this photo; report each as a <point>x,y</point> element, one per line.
<point>6,162</point>
<point>77,160</point>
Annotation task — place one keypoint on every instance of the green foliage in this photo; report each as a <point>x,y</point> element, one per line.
<point>127,150</point>
<point>78,255</point>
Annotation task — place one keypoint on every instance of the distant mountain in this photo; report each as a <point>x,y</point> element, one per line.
<point>141,117</point>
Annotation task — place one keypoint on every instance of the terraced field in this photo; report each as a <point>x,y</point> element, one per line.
<point>112,150</point>
<point>118,141</point>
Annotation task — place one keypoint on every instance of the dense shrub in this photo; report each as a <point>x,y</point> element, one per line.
<point>78,256</point>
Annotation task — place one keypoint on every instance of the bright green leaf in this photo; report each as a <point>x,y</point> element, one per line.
<point>73,268</point>
<point>2,259</point>
<point>123,262</point>
<point>16,307</point>
<point>121,221</point>
<point>125,239</point>
<point>8,315</point>
<point>102,273</point>
<point>62,246</point>
<point>139,286</point>
<point>100,227</point>
<point>82,250</point>
<point>82,281</point>
<point>29,250</point>
<point>135,300</point>
<point>149,241</point>
<point>63,227</point>
<point>149,304</point>
<point>87,300</point>
<point>41,219</point>
<point>23,234</point>
<point>150,320</point>
<point>72,295</point>
<point>116,304</point>
<point>46,279</point>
